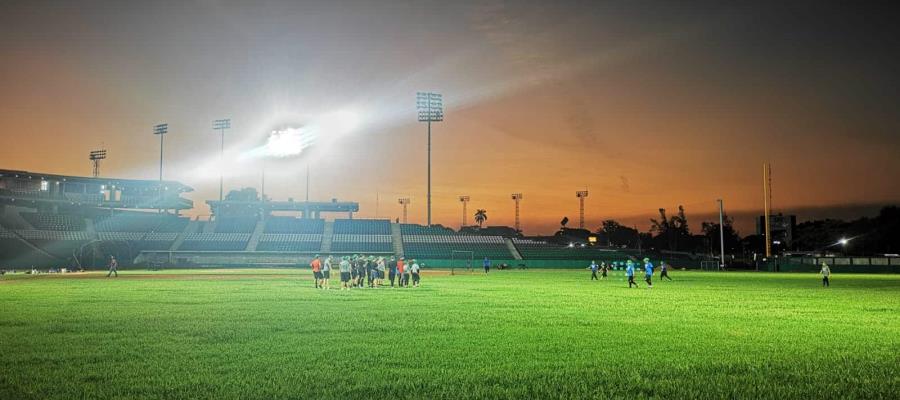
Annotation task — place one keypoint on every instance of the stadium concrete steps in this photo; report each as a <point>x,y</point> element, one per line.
<point>327,237</point>
<point>192,227</point>
<point>397,239</point>
<point>257,234</point>
<point>512,249</point>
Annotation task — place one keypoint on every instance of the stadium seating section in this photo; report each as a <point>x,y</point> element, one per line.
<point>290,242</point>
<point>54,222</point>
<point>235,224</point>
<point>215,241</point>
<point>294,225</point>
<point>411,229</point>
<point>362,226</point>
<point>140,223</point>
<point>442,246</point>
<point>537,250</point>
<point>362,243</point>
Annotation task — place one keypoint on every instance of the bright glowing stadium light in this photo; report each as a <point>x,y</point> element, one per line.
<point>288,142</point>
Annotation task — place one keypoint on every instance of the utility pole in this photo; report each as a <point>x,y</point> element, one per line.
<point>517,197</point>
<point>722,234</point>
<point>404,202</point>
<point>465,201</point>
<point>581,194</point>
<point>767,200</point>
<point>431,109</point>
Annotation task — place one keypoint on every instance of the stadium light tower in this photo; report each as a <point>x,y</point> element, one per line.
<point>404,202</point>
<point>161,130</point>
<point>465,202</point>
<point>581,194</point>
<point>431,109</point>
<point>95,157</point>
<point>221,125</point>
<point>517,197</point>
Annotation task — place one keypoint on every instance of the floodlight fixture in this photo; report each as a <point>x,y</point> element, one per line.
<point>581,194</point>
<point>404,202</point>
<point>465,201</point>
<point>431,109</point>
<point>95,157</point>
<point>517,197</point>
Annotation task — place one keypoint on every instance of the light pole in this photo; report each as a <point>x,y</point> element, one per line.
<point>581,194</point>
<point>722,234</point>
<point>431,109</point>
<point>517,197</point>
<point>404,202</point>
<point>221,125</point>
<point>95,157</point>
<point>161,130</point>
<point>465,201</point>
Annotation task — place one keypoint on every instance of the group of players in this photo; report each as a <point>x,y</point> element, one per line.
<point>604,268</point>
<point>360,271</point>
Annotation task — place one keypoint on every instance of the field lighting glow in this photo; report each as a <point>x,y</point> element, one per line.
<point>293,141</point>
<point>288,142</point>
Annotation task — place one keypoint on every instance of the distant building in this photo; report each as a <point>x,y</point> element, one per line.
<point>782,226</point>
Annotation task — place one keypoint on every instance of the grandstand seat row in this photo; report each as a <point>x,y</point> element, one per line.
<point>362,226</point>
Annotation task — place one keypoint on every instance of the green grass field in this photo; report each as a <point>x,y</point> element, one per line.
<point>264,334</point>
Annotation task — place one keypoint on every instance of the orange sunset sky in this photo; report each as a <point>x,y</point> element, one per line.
<point>645,104</point>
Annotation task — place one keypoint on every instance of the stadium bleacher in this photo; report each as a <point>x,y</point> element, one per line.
<point>442,246</point>
<point>305,242</point>
<point>242,224</point>
<point>291,225</point>
<point>362,243</point>
<point>54,222</point>
<point>140,223</point>
<point>538,250</point>
<point>215,241</point>
<point>362,226</point>
<point>413,229</point>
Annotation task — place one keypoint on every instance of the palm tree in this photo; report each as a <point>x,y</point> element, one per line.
<point>480,216</point>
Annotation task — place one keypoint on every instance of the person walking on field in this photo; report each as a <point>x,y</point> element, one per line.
<point>825,272</point>
<point>113,267</point>
<point>316,266</point>
<point>593,267</point>
<point>648,272</point>
<point>603,270</point>
<point>664,271</point>
<point>487,264</point>
<point>629,272</point>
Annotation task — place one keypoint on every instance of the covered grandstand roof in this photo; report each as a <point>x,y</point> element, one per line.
<point>171,185</point>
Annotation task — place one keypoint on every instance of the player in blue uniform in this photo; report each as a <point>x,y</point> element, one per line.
<point>593,267</point>
<point>648,272</point>
<point>629,272</point>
